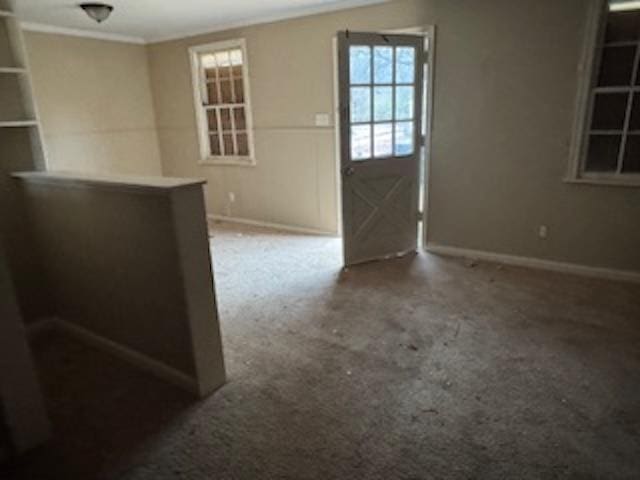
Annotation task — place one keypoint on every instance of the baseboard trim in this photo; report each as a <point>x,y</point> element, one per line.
<point>530,262</point>
<point>275,226</point>
<point>136,359</point>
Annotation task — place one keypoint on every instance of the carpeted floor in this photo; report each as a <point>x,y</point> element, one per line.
<point>418,368</point>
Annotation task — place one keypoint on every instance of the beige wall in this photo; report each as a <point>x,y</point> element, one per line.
<point>95,104</point>
<point>129,262</point>
<point>505,85</point>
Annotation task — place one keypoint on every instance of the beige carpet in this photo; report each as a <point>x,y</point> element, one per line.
<point>418,368</point>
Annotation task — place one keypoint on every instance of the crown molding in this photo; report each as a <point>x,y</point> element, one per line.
<point>74,32</point>
<point>116,37</point>
<point>258,20</point>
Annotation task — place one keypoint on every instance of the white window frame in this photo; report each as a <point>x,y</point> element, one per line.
<point>576,173</point>
<point>199,93</point>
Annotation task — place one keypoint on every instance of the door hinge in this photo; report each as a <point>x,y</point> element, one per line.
<point>420,216</point>
<point>423,140</point>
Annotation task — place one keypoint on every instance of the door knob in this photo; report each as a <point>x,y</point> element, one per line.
<point>348,171</point>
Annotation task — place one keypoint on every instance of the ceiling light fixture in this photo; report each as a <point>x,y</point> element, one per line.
<point>98,11</point>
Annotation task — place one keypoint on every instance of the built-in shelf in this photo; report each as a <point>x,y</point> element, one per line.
<point>18,123</point>
<point>16,70</point>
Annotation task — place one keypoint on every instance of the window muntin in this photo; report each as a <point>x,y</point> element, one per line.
<point>382,90</point>
<point>222,100</point>
<point>613,129</point>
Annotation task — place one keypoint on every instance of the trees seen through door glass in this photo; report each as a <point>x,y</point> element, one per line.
<point>382,109</point>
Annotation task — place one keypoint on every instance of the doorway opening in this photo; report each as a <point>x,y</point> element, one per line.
<point>384,91</point>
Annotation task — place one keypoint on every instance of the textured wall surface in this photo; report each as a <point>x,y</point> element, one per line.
<point>114,266</point>
<point>95,104</point>
<point>506,76</point>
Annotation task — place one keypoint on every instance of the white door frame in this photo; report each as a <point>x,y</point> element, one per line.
<point>429,34</point>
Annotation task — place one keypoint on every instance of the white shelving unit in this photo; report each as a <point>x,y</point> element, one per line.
<point>17,105</point>
<point>18,123</point>
<point>20,149</point>
<point>12,70</point>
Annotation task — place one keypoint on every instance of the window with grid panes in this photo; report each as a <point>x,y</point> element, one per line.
<point>382,101</point>
<point>611,148</point>
<point>222,98</point>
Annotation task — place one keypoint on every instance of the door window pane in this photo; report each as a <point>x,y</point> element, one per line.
<point>360,104</point>
<point>404,103</point>
<point>383,103</point>
<point>382,140</point>
<point>602,155</point>
<point>609,110</point>
<point>360,64</point>
<point>360,142</point>
<point>405,64</point>
<point>383,64</point>
<point>404,138</point>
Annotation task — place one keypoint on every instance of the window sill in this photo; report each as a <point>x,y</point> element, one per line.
<point>228,162</point>
<point>604,181</point>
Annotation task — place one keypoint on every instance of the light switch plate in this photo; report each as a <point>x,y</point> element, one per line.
<point>323,120</point>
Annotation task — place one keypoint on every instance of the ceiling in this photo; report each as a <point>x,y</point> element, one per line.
<point>155,20</point>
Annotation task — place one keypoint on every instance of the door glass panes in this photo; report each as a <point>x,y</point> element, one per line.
<point>404,103</point>
<point>404,138</point>
<point>405,64</point>
<point>383,65</point>
<point>382,140</point>
<point>360,104</point>
<point>360,142</point>
<point>360,65</point>
<point>382,101</point>
<point>383,104</point>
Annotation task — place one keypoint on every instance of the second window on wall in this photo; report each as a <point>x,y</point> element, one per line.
<point>221,92</point>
